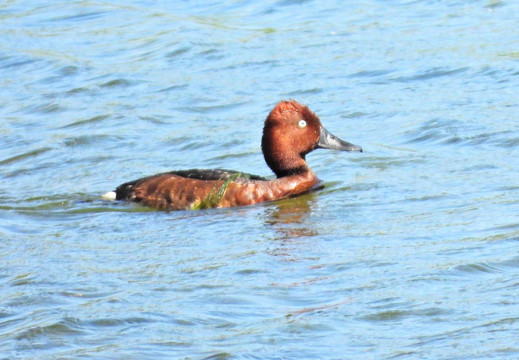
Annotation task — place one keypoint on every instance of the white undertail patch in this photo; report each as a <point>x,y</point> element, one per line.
<point>110,196</point>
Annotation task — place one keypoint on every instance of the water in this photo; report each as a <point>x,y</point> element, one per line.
<point>409,252</point>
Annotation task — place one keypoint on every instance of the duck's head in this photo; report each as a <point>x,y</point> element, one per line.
<point>291,131</point>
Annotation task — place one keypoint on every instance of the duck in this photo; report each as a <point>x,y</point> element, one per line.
<point>290,132</point>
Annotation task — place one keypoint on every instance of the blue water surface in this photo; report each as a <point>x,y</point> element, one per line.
<point>409,252</point>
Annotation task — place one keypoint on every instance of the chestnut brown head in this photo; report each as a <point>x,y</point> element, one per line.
<point>291,131</point>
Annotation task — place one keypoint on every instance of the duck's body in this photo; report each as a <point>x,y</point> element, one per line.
<point>291,131</point>
<point>211,188</point>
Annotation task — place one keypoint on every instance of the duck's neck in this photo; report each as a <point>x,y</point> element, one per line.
<point>285,163</point>
<point>289,171</point>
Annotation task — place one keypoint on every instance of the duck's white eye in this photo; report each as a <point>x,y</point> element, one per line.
<point>301,123</point>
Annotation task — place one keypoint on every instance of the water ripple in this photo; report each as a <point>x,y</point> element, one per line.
<point>86,122</point>
<point>64,327</point>
<point>431,74</point>
<point>25,156</point>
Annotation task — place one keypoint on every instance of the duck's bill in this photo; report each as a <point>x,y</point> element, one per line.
<point>329,141</point>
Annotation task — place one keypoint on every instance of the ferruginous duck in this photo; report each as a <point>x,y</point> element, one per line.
<point>291,131</point>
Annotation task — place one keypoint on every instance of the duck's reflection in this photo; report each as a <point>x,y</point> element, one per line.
<point>290,220</point>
